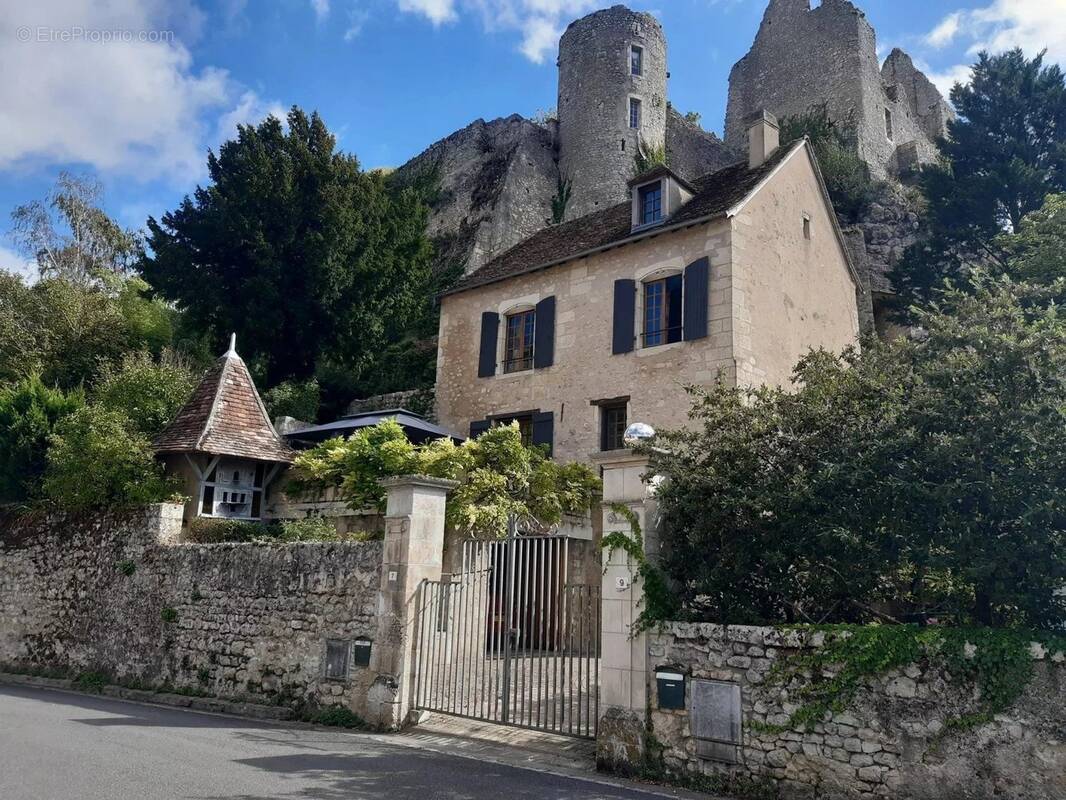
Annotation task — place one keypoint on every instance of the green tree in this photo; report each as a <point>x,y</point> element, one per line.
<point>296,249</point>
<point>498,476</point>
<point>847,178</point>
<point>70,236</point>
<point>29,411</point>
<point>67,331</point>
<point>149,392</point>
<point>1002,156</point>
<point>1037,253</point>
<point>298,399</point>
<point>96,459</point>
<point>921,477</point>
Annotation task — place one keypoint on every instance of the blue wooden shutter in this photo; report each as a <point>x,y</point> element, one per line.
<point>544,429</point>
<point>697,297</point>
<point>544,335</point>
<point>490,326</point>
<point>625,306</point>
<point>478,427</point>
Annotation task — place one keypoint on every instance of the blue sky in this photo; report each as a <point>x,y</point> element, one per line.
<point>140,110</point>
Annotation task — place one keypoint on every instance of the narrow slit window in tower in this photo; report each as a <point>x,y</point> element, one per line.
<point>636,60</point>
<point>634,113</point>
<point>888,124</point>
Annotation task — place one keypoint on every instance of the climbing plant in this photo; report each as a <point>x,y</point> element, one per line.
<point>825,679</point>
<point>659,602</point>
<point>648,156</point>
<point>560,200</point>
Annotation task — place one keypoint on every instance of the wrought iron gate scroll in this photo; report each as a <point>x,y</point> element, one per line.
<point>509,640</point>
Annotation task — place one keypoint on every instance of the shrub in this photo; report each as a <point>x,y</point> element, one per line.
<point>921,478</point>
<point>29,412</point>
<point>498,476</point>
<point>299,399</point>
<point>337,717</point>
<point>168,615</point>
<point>147,391</point>
<point>311,529</point>
<point>96,461</point>
<point>91,682</point>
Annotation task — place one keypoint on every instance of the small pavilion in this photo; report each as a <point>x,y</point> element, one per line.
<point>223,445</point>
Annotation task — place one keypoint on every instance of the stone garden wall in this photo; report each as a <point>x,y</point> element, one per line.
<point>890,740</point>
<point>116,594</point>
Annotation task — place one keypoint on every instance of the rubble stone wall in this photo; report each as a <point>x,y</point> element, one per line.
<point>113,593</point>
<point>804,57</point>
<point>889,741</point>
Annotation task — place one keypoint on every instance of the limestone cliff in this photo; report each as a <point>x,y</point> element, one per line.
<point>495,183</point>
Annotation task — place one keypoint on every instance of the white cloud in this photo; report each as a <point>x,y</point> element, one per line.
<point>1032,25</point>
<point>436,11</point>
<point>11,261</point>
<point>250,109</point>
<point>121,96</point>
<point>539,22</point>
<point>357,18</point>
<point>321,9</point>
<point>946,79</point>
<point>943,34</point>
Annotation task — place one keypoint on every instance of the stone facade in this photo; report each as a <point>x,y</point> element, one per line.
<point>804,57</point>
<point>597,143</point>
<point>773,294</point>
<point>243,621</point>
<point>693,152</point>
<point>890,741</point>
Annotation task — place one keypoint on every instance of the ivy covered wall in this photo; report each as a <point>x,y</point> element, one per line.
<point>907,713</point>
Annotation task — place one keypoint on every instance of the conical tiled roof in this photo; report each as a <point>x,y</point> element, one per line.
<point>225,417</point>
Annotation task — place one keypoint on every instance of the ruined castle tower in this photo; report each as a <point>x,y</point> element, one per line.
<point>803,57</point>
<point>612,100</point>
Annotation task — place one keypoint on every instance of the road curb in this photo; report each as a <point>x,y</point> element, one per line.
<point>211,705</point>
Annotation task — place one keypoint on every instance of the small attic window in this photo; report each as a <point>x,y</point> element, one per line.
<point>806,226</point>
<point>650,198</point>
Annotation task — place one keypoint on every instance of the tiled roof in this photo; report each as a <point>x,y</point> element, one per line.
<point>715,194</point>
<point>225,416</point>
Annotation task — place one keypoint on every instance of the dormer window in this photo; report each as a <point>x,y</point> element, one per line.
<point>656,195</point>
<point>651,203</point>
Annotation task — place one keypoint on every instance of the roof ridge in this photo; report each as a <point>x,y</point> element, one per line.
<point>202,438</point>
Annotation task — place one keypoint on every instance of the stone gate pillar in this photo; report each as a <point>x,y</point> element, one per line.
<point>624,657</point>
<point>413,552</point>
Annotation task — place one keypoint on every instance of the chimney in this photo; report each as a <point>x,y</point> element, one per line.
<point>763,137</point>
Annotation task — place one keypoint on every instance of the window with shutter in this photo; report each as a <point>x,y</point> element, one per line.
<point>625,301</point>
<point>490,325</point>
<point>697,299</point>
<point>544,335</point>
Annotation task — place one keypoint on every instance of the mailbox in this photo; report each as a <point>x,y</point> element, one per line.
<point>361,652</point>
<point>671,689</point>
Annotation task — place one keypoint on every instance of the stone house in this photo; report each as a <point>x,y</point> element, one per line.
<point>223,445</point>
<point>592,324</point>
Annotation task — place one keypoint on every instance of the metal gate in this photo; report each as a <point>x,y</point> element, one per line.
<point>509,640</point>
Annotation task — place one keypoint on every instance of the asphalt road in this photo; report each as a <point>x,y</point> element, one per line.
<point>62,746</point>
